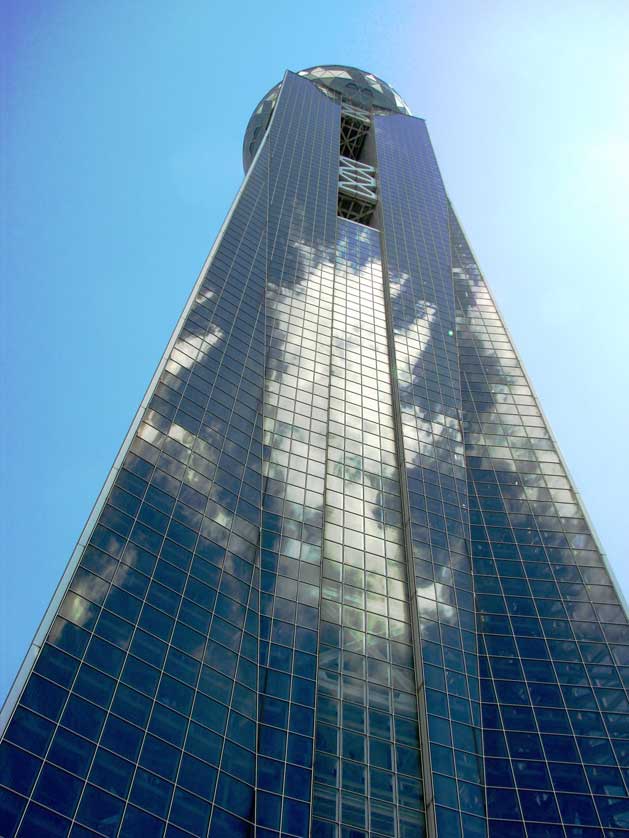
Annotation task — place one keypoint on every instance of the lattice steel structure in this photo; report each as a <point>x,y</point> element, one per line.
<point>338,582</point>
<point>357,189</point>
<point>355,124</point>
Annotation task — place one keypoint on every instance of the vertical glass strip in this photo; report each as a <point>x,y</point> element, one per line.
<point>555,639</point>
<point>367,764</point>
<point>302,217</point>
<point>123,724</point>
<point>421,298</point>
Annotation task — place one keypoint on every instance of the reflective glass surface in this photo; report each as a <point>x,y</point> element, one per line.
<point>367,762</point>
<point>175,691</point>
<point>427,384</point>
<point>341,584</point>
<point>302,217</point>
<point>553,634</point>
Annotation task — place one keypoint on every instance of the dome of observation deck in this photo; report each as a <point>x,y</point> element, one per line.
<point>361,89</point>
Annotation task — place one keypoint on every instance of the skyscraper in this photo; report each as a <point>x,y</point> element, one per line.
<point>338,582</point>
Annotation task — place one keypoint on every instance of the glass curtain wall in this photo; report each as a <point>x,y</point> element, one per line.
<point>340,583</point>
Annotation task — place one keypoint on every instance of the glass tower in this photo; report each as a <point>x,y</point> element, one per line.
<point>338,582</point>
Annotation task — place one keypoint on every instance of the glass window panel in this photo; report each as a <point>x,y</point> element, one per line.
<point>17,768</point>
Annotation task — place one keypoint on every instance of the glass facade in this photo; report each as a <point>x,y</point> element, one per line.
<point>367,759</point>
<point>338,582</point>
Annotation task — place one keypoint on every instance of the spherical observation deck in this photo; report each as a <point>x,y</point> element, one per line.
<point>364,90</point>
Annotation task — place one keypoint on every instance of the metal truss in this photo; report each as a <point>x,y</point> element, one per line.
<point>354,128</point>
<point>357,180</point>
<point>357,190</point>
<point>354,210</point>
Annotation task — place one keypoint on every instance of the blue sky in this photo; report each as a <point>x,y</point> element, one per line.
<point>122,151</point>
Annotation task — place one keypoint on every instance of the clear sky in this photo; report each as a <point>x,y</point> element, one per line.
<point>122,134</point>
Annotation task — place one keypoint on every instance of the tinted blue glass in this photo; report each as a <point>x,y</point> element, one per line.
<point>11,808</point>
<point>151,792</point>
<point>137,822</point>
<point>131,705</point>
<point>18,769</point>
<point>500,457</point>
<point>342,555</point>
<point>122,738</point>
<point>100,811</point>
<point>111,773</point>
<point>160,757</point>
<point>30,731</point>
<point>58,790</point>
<point>57,666</point>
<point>190,812</point>
<point>94,685</point>
<point>44,697</point>
<point>39,821</point>
<point>83,717</point>
<point>197,777</point>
